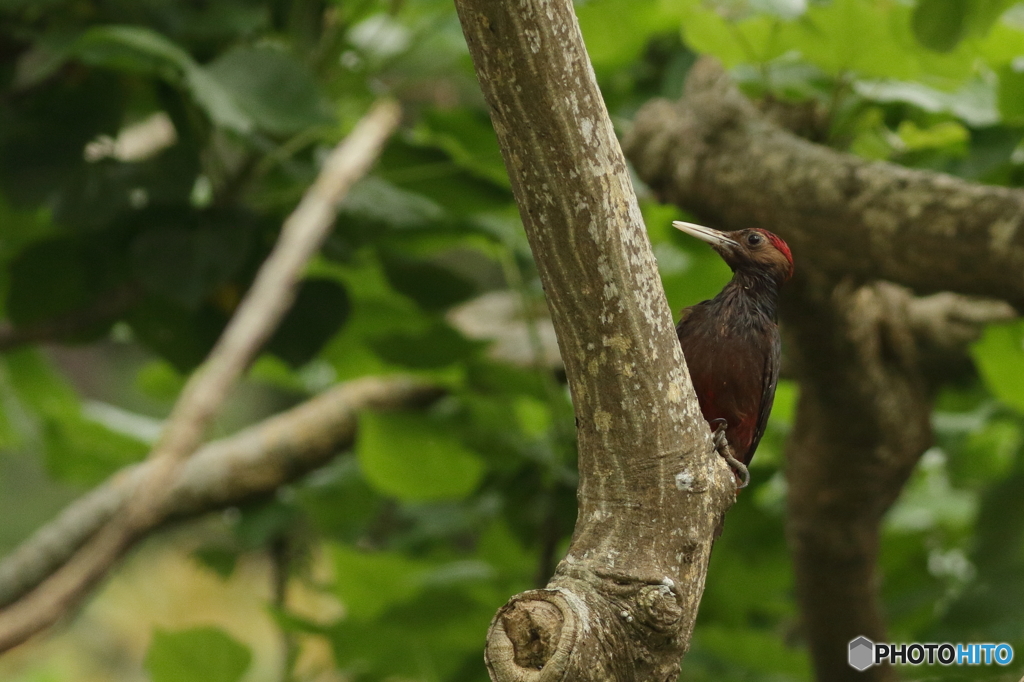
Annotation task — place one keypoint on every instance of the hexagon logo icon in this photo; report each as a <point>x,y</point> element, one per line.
<point>862,653</point>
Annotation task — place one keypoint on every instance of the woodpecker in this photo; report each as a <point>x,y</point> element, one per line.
<point>731,343</point>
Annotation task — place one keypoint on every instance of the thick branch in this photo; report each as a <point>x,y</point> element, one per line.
<point>621,604</point>
<point>715,154</point>
<point>252,462</point>
<point>862,423</point>
<point>947,322</point>
<point>257,316</point>
<point>865,359</point>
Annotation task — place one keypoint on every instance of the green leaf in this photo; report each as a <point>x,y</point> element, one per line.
<point>947,135</point>
<point>77,448</point>
<point>220,560</point>
<point>929,502</point>
<point>351,357</point>
<point>853,35</point>
<point>432,173</point>
<point>63,275</point>
<point>435,637</point>
<point>21,228</point>
<point>320,309</point>
<point>1002,43</point>
<point>990,155</point>
<point>414,458</point>
<point>1010,94</point>
<point>141,50</point>
<point>182,337</point>
<point>273,371</point>
<point>974,103</point>
<point>339,502</point>
<point>184,264</point>
<point>433,287</point>
<point>273,89</point>
<point>940,24</point>
<point>989,452</point>
<point>159,379</point>
<point>752,41</point>
<point>616,31</point>
<point>205,654</point>
<point>382,204</point>
<point>133,48</point>
<point>532,415</point>
<point>999,355</point>
<point>500,548</point>
<point>985,13</point>
<point>368,583</point>
<point>417,619</point>
<point>757,650</point>
<point>263,523</point>
<point>468,138</point>
<point>701,276</point>
<point>218,102</point>
<point>380,313</point>
<point>784,408</point>
<point>37,292</point>
<point>993,600</point>
<point>437,346</point>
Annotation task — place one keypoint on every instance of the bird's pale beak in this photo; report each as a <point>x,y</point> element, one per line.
<point>706,234</point>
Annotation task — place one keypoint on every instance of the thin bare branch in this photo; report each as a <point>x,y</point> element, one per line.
<point>267,300</point>
<point>224,472</point>
<point>259,313</point>
<point>950,321</point>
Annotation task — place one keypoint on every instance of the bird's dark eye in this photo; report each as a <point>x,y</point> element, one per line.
<point>754,239</point>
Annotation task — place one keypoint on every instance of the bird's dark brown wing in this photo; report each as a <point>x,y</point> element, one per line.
<point>769,380</point>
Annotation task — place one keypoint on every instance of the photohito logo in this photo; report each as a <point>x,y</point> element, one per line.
<point>864,653</point>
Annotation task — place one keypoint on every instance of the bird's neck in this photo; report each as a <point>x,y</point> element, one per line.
<point>752,292</point>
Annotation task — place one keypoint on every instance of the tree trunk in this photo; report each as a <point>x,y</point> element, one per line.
<point>863,421</point>
<point>622,603</point>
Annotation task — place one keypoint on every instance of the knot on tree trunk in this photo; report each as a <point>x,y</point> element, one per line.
<point>531,637</point>
<point>534,629</point>
<point>534,637</point>
<point>660,607</point>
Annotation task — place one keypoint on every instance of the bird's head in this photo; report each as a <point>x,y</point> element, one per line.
<point>752,249</point>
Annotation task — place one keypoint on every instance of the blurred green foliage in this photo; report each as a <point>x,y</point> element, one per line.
<point>197,654</point>
<point>439,516</point>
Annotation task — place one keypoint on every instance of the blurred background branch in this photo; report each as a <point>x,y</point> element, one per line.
<point>716,154</point>
<point>258,314</point>
<point>222,473</point>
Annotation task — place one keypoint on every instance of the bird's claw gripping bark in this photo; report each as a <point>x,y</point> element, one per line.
<point>725,450</point>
